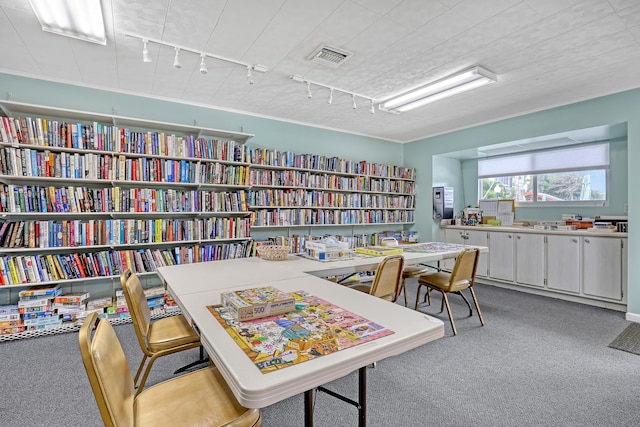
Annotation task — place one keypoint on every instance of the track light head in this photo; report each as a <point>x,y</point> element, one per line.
<point>260,68</point>
<point>330,100</point>
<point>176,59</point>
<point>309,94</point>
<point>203,66</point>
<point>146,57</point>
<point>249,75</point>
<point>372,108</point>
<point>353,98</point>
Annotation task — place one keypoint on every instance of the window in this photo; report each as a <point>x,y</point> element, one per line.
<point>569,175</point>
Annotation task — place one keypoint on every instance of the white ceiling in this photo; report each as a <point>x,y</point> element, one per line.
<point>545,52</point>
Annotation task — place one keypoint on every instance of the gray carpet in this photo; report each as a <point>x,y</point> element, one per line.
<point>537,362</point>
<point>628,340</point>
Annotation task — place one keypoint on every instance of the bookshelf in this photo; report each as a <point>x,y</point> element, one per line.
<point>292,190</point>
<point>84,196</point>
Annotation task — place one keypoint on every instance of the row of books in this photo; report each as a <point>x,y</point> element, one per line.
<point>47,164</point>
<point>70,199</point>
<point>98,136</point>
<point>77,233</point>
<point>26,269</point>
<point>289,159</point>
<point>295,217</point>
<point>319,198</point>
<point>294,178</point>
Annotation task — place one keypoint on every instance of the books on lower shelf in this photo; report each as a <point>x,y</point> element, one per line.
<point>20,270</point>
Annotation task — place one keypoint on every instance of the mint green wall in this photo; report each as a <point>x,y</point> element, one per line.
<point>609,110</point>
<point>268,133</point>
<point>447,172</point>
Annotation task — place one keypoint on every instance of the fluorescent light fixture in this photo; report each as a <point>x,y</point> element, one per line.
<point>449,86</point>
<point>72,18</point>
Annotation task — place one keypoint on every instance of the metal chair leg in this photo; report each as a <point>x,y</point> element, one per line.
<point>146,374</point>
<point>193,364</point>
<point>418,296</point>
<point>404,291</point>
<point>144,359</point>
<point>475,301</point>
<point>446,301</point>
<point>465,300</point>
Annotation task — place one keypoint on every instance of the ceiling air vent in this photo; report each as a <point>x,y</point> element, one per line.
<point>329,56</point>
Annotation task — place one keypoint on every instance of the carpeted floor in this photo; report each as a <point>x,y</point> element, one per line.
<point>537,362</point>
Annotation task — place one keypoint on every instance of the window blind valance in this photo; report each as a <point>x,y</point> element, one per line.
<point>578,157</point>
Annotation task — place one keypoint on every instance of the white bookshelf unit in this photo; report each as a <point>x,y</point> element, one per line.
<point>305,191</point>
<point>84,196</point>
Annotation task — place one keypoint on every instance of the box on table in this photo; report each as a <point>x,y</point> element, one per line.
<point>329,255</point>
<point>379,251</point>
<point>254,303</point>
<point>322,246</point>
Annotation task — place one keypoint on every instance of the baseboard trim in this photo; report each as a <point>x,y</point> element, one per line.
<point>559,295</point>
<point>633,317</point>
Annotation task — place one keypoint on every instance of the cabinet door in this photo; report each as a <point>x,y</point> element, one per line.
<point>459,237</point>
<point>501,259</point>
<point>625,266</point>
<point>530,266</point>
<point>602,267</point>
<point>563,263</point>
<point>455,236</point>
<point>480,238</point>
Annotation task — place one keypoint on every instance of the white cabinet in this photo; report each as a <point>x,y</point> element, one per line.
<point>563,263</point>
<point>455,236</point>
<point>480,238</point>
<point>577,266</point>
<point>530,262</point>
<point>602,262</point>
<point>467,238</point>
<point>624,269</point>
<point>501,256</point>
<point>458,237</point>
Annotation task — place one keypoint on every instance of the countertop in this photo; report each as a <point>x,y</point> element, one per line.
<point>580,232</point>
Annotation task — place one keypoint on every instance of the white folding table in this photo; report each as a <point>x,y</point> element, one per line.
<point>197,286</point>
